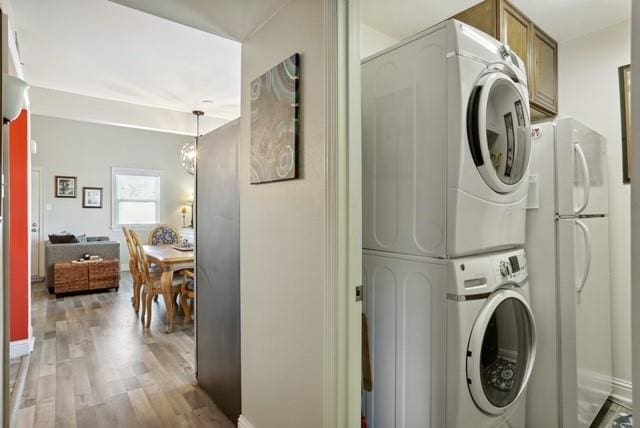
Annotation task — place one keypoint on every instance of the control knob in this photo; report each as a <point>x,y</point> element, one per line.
<point>505,268</point>
<point>504,51</point>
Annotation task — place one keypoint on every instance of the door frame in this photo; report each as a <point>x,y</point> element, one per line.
<point>343,273</point>
<point>41,221</point>
<point>635,206</point>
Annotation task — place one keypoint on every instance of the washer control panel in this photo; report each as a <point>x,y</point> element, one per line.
<point>511,266</point>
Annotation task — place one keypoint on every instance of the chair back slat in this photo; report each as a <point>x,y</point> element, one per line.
<point>143,263</point>
<point>133,252</point>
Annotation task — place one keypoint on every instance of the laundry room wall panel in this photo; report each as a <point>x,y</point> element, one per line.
<point>589,91</point>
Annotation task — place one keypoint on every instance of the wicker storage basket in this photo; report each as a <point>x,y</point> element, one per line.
<point>70,277</point>
<point>104,274</point>
<point>92,275</point>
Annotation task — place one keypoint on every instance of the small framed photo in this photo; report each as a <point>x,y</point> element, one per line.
<point>66,186</point>
<point>92,197</point>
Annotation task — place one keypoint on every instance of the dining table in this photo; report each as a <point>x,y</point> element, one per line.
<point>169,259</point>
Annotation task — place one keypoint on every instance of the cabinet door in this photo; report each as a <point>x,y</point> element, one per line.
<point>516,32</point>
<point>483,16</point>
<point>544,72</point>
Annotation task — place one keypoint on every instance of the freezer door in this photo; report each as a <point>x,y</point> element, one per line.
<point>581,165</point>
<point>567,297</point>
<point>585,288</point>
<point>593,317</point>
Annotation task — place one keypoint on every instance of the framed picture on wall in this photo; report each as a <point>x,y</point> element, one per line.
<point>624,77</point>
<point>65,186</point>
<point>275,105</point>
<point>92,197</point>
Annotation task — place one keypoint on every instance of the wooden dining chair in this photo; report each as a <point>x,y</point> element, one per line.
<point>151,283</point>
<point>187,292</point>
<point>136,275</point>
<point>164,235</point>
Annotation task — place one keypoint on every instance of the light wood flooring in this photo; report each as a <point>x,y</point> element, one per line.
<point>94,366</point>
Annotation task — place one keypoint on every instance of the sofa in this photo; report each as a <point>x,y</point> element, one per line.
<point>98,245</point>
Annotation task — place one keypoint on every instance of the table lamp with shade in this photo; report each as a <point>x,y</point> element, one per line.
<point>183,211</point>
<point>189,203</point>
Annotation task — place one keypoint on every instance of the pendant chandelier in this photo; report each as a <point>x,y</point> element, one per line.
<point>188,152</point>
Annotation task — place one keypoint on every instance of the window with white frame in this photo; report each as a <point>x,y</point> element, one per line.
<point>135,197</point>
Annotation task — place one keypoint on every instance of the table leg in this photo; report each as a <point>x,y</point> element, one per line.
<point>166,280</point>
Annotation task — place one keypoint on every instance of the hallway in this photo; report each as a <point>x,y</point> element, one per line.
<point>93,365</point>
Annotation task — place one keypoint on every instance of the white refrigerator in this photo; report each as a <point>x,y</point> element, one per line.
<point>567,245</point>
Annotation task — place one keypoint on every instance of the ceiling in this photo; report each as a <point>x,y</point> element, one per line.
<point>180,53</point>
<point>104,50</point>
<point>228,18</point>
<point>562,19</point>
<point>568,19</point>
<point>403,18</point>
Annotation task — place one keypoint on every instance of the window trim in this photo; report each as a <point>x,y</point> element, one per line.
<point>115,171</point>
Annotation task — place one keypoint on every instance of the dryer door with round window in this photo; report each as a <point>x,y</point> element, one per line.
<point>498,130</point>
<point>501,351</point>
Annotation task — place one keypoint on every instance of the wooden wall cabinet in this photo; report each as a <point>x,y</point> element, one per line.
<point>500,19</point>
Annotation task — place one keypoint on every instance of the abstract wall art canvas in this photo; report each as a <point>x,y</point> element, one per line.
<point>274,123</point>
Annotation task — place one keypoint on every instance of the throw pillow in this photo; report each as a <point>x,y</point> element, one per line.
<point>63,239</point>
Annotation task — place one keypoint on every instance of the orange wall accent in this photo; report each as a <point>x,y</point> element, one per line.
<point>19,248</point>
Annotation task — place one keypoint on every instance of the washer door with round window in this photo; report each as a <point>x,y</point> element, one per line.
<point>501,351</point>
<point>499,131</point>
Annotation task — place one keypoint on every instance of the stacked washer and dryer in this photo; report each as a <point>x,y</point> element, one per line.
<point>446,147</point>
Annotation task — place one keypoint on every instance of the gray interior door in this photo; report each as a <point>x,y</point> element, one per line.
<point>218,268</point>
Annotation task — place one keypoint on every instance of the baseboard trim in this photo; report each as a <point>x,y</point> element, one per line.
<point>20,348</point>
<point>622,392</point>
<point>16,394</point>
<point>244,423</point>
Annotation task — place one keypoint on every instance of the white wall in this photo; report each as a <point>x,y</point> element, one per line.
<point>282,240</point>
<point>88,151</point>
<point>589,92</point>
<point>373,41</point>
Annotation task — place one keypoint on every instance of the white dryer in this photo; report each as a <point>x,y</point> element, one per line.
<point>446,145</point>
<point>491,341</point>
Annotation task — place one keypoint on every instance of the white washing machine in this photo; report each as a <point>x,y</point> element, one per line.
<point>446,145</point>
<point>491,341</point>
<point>452,341</point>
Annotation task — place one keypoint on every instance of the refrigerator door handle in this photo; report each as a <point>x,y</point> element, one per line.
<point>585,173</point>
<point>587,255</point>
